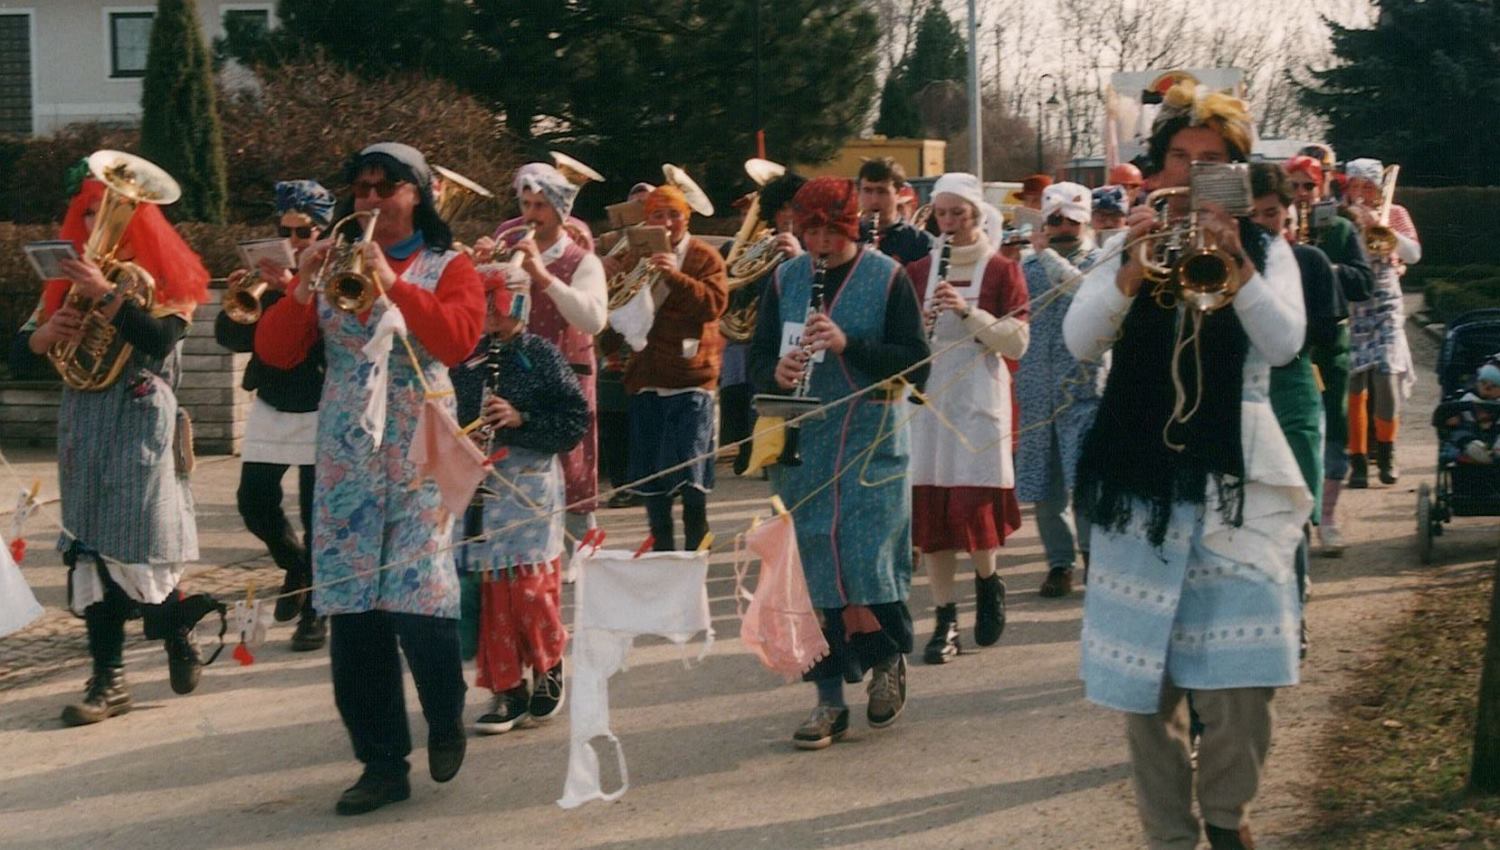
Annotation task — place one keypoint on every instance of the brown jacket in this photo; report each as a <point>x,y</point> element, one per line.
<point>696,298</point>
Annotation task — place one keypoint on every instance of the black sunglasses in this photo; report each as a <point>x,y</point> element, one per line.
<point>383,188</point>
<point>301,232</point>
<point>1298,184</point>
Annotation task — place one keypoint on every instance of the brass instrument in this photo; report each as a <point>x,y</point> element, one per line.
<point>242,299</point>
<point>753,255</point>
<point>94,359</point>
<point>574,171</point>
<point>1380,238</point>
<point>1183,263</point>
<point>1304,223</point>
<point>624,285</point>
<point>458,195</point>
<point>343,278</point>
<point>920,217</point>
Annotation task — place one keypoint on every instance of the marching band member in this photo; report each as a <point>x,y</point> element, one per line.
<point>1109,206</point>
<point>1381,367</point>
<point>1128,177</point>
<point>671,381</point>
<point>1191,584</point>
<point>963,485</point>
<point>121,470</point>
<point>1031,190</point>
<point>880,183</point>
<point>282,428</point>
<point>614,403</point>
<point>569,311</point>
<point>853,505</point>
<point>529,395</point>
<point>372,508</point>
<point>1339,241</point>
<point>1058,395</point>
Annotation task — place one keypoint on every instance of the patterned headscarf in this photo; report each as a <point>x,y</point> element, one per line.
<point>1365,169</point>
<point>543,178</point>
<point>828,202</point>
<point>1204,107</point>
<point>667,197</point>
<point>1302,164</point>
<point>307,197</point>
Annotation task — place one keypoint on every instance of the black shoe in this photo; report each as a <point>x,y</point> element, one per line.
<point>311,632</point>
<point>445,754</point>
<point>1359,473</point>
<point>825,725</point>
<point>103,697</point>
<point>1385,461</point>
<point>183,662</point>
<point>293,592</point>
<point>944,645</point>
<point>507,710</point>
<point>1220,838</point>
<point>887,691</point>
<point>1057,584</point>
<point>742,459</point>
<point>1085,569</point>
<point>372,791</point>
<point>989,610</point>
<point>548,695</point>
<point>623,499</point>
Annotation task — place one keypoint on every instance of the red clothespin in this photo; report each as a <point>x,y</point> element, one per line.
<point>500,454</point>
<point>594,539</point>
<point>242,652</point>
<point>18,549</point>
<point>645,546</point>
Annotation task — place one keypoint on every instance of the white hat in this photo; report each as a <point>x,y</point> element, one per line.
<point>963,185</point>
<point>1364,169</point>
<point>1070,199</point>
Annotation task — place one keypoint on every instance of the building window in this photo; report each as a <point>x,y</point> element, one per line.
<point>129,43</point>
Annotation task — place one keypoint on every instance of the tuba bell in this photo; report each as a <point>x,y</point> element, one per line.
<point>1181,260</point>
<point>94,359</point>
<point>752,256</point>
<point>343,279</point>
<point>458,195</point>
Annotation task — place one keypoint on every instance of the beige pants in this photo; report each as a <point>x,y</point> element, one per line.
<point>1236,737</point>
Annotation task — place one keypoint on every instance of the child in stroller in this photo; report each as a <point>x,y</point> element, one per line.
<point>1471,431</point>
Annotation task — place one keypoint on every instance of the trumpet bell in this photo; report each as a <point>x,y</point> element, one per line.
<point>696,197</point>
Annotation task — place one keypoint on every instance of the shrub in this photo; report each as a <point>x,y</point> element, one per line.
<point>32,170</point>
<point>1455,224</point>
<point>1447,298</point>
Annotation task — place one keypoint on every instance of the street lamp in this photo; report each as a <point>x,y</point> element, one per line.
<point>1051,102</point>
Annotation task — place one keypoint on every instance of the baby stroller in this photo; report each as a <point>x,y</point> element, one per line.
<point>1462,489</point>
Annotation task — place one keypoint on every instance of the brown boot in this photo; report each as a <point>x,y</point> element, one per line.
<point>105,697</point>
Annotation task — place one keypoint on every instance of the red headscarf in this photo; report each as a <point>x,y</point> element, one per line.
<point>1306,165</point>
<point>668,197</point>
<point>828,202</point>
<point>151,242</point>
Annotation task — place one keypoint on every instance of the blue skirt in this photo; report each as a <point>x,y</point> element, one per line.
<point>666,431</point>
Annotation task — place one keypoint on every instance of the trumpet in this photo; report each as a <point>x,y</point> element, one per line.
<point>343,278</point>
<point>1380,238</point>
<point>242,299</point>
<point>1184,263</point>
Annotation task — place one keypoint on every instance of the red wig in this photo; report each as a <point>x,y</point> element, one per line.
<point>151,242</point>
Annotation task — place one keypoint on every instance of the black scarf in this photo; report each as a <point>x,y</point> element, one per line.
<point>1124,456</point>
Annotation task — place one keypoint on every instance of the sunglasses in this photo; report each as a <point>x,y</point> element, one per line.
<point>1300,184</point>
<point>300,232</point>
<point>383,188</point>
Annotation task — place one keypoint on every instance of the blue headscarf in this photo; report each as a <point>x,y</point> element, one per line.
<point>307,197</point>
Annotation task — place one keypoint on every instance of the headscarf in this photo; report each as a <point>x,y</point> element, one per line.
<point>151,242</point>
<point>1303,164</point>
<point>828,202</point>
<point>1204,107</point>
<point>1071,200</point>
<point>503,295</point>
<point>962,185</point>
<point>1365,169</point>
<point>1109,199</point>
<point>553,186</point>
<point>400,162</point>
<point>667,197</point>
<point>307,197</point>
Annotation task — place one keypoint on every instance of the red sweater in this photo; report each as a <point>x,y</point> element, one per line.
<point>448,321</point>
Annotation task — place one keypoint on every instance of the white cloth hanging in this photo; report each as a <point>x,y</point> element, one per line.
<point>378,351</point>
<point>621,596</point>
<point>18,605</point>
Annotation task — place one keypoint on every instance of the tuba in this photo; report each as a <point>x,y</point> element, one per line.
<point>343,278</point>
<point>242,300</point>
<point>624,285</point>
<point>1380,238</point>
<point>94,359</point>
<point>1183,263</point>
<point>752,256</point>
<point>458,195</point>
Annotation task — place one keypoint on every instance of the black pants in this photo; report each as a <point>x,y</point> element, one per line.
<point>105,620</point>
<point>735,415</point>
<point>851,656</point>
<point>362,652</point>
<point>694,519</point>
<point>614,445</point>
<point>259,498</point>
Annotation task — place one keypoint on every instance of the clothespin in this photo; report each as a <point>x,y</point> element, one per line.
<point>593,540</point>
<point>778,505</point>
<point>645,546</point>
<point>500,454</point>
<point>242,652</point>
<point>707,543</point>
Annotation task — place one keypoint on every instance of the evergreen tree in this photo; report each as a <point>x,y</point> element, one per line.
<point>1416,88</point>
<point>180,121</point>
<point>938,56</point>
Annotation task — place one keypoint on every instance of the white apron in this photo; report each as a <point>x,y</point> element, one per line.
<point>274,436</point>
<point>970,387</point>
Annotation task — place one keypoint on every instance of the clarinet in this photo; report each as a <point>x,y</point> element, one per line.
<point>491,389</point>
<point>791,450</point>
<point>931,316</point>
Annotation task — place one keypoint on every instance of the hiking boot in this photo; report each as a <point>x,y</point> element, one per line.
<point>445,753</point>
<point>104,696</point>
<point>184,664</point>
<point>311,632</point>
<point>1359,473</point>
<point>1385,461</point>
<point>507,709</point>
<point>989,609</point>
<point>943,646</point>
<point>373,790</point>
<point>548,695</point>
<point>1221,838</point>
<point>293,592</point>
<point>887,691</point>
<point>1057,584</point>
<point>1330,540</point>
<point>826,724</point>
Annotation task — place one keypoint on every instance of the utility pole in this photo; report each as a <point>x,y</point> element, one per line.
<point>976,146</point>
<point>999,49</point>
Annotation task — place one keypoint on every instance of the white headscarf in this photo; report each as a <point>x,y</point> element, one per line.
<point>541,177</point>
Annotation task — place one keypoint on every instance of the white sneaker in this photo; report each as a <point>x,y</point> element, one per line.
<point>1331,541</point>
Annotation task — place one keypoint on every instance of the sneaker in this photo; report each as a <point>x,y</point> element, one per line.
<point>104,697</point>
<point>1330,540</point>
<point>184,665</point>
<point>506,710</point>
<point>372,791</point>
<point>548,695</point>
<point>887,691</point>
<point>826,724</point>
<point>1057,584</point>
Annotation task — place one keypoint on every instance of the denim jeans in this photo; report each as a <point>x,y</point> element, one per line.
<point>1055,520</point>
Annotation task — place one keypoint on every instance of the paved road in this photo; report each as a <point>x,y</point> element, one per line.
<point>996,749</point>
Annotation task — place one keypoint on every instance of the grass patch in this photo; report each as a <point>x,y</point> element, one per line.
<point>1393,771</point>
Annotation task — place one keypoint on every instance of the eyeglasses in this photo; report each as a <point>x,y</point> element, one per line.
<point>301,232</point>
<point>383,188</point>
<point>1298,184</point>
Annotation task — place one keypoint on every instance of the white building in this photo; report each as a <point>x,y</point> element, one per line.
<point>68,61</point>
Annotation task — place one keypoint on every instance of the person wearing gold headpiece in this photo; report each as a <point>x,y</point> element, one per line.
<point>671,381</point>
<point>1191,589</point>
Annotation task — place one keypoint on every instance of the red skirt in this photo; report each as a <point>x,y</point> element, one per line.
<point>965,519</point>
